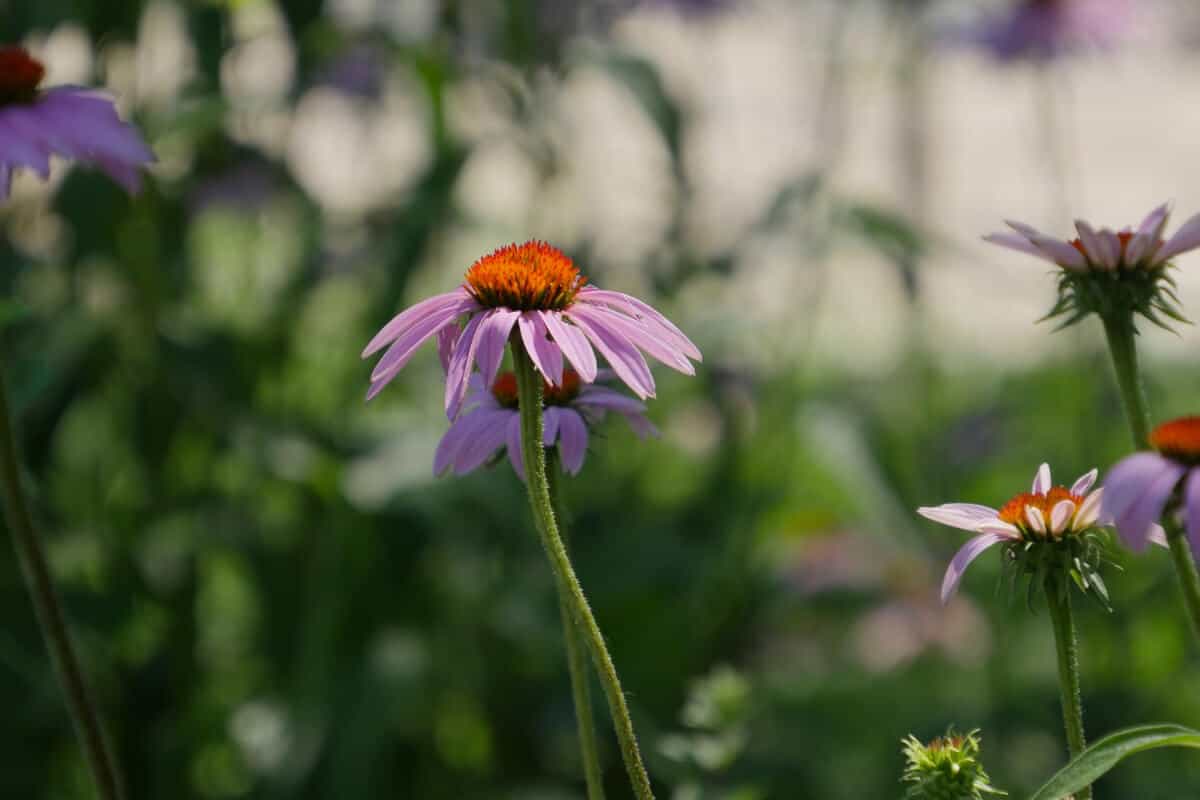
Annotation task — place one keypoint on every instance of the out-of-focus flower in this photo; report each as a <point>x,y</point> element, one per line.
<point>535,290</point>
<point>1045,29</point>
<point>1106,271</point>
<point>1046,514</point>
<point>1138,487</point>
<point>66,121</point>
<point>490,421</point>
<point>948,768</point>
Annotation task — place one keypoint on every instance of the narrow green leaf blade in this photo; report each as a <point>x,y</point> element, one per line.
<point>1106,753</point>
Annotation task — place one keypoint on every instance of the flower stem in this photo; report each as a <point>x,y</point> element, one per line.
<point>1058,598</point>
<point>577,660</point>
<point>529,401</point>
<point>50,614</point>
<point>1119,330</point>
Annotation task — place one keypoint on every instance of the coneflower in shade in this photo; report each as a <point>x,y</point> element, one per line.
<point>490,421</point>
<point>1045,514</point>
<point>1111,272</point>
<point>534,289</point>
<point>1138,487</point>
<point>66,121</point>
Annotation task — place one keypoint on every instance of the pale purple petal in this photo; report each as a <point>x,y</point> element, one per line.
<point>963,558</point>
<point>1064,254</point>
<point>402,350</point>
<point>572,440</point>
<point>1135,492</point>
<point>641,425</point>
<point>1060,515</point>
<point>546,355</point>
<point>487,436</point>
<point>459,372</point>
<point>550,420</point>
<point>1184,239</point>
<point>1035,519</point>
<point>447,337</point>
<point>1191,506</point>
<point>1042,481</point>
<point>454,439</point>
<point>19,149</point>
<point>965,516</point>
<point>1089,510</point>
<point>1084,482</point>
<point>1019,243</point>
<point>492,339</point>
<point>622,356</point>
<point>648,315</point>
<point>1112,247</point>
<point>1093,244</point>
<point>1152,226</point>
<point>635,333</point>
<point>573,344</point>
<point>999,527</point>
<point>609,399</point>
<point>411,316</point>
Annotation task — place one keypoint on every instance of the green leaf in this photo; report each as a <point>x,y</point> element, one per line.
<point>1106,753</point>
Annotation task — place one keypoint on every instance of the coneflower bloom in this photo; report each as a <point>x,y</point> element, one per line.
<point>1138,487</point>
<point>1106,270</point>
<point>66,121</point>
<point>1046,513</point>
<point>490,421</point>
<point>536,290</point>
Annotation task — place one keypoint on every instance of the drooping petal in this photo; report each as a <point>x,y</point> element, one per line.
<point>648,315</point>
<point>487,436</point>
<point>964,516</point>
<point>572,440</point>
<point>1184,239</point>
<point>407,344</point>
<point>447,337</point>
<point>459,372</point>
<point>550,420</point>
<point>623,357</point>
<point>602,397</point>
<point>573,344</point>
<point>1191,509</point>
<point>546,355</point>
<point>1084,482</point>
<point>1135,492</point>
<point>460,434</point>
<point>1041,481</point>
<point>643,428</point>
<point>637,334</point>
<point>1019,243</point>
<point>963,558</point>
<point>492,339</point>
<point>411,316</point>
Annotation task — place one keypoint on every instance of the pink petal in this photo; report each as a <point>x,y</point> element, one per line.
<point>573,344</point>
<point>1094,245</point>
<point>550,419</point>
<point>609,400</point>
<point>411,316</point>
<point>1084,482</point>
<point>963,558</point>
<point>1041,481</point>
<point>492,339</point>
<point>1089,510</point>
<point>572,440</point>
<point>1186,238</point>
<point>646,313</point>
<point>637,334</point>
<point>487,436</point>
<point>1135,492</point>
<point>1060,515</point>
<point>622,356</point>
<point>1065,255</point>
<point>459,371</point>
<point>402,350</point>
<point>965,516</point>
<point>1019,243</point>
<point>1152,226</point>
<point>447,337</point>
<point>454,439</point>
<point>546,355</point>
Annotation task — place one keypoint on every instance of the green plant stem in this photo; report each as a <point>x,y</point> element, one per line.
<point>1123,347</point>
<point>1058,598</point>
<point>529,400</point>
<point>576,657</point>
<point>50,614</point>
<point>1119,330</point>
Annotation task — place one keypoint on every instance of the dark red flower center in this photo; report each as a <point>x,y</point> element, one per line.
<point>528,277</point>
<point>1178,439</point>
<point>505,389</point>
<point>20,75</point>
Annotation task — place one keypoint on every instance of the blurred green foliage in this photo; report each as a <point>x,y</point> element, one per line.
<point>275,598</point>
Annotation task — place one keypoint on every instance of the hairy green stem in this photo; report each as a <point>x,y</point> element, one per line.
<point>576,656</point>
<point>50,615</point>
<point>1058,598</point>
<point>529,401</point>
<point>1120,332</point>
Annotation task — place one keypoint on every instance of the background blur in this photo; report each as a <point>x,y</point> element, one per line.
<point>275,597</point>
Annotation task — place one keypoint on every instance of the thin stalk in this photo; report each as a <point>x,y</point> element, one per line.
<point>50,615</point>
<point>1058,598</point>
<point>529,401</point>
<point>576,658</point>
<point>1120,332</point>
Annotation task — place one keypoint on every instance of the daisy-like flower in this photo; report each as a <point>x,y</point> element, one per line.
<point>1138,487</point>
<point>1045,29</point>
<point>66,121</point>
<point>1045,515</point>
<point>535,290</point>
<point>1106,271</point>
<point>490,421</point>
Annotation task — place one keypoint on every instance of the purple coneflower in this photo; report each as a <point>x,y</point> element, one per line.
<point>535,289</point>
<point>1045,29</point>
<point>491,421</point>
<point>67,121</point>
<point>1046,513</point>
<point>1138,487</point>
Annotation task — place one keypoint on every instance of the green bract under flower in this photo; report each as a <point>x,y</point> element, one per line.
<point>948,768</point>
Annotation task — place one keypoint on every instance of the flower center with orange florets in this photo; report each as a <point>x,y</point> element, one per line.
<point>505,390</point>
<point>20,75</point>
<point>1178,439</point>
<point>1014,511</point>
<point>533,276</point>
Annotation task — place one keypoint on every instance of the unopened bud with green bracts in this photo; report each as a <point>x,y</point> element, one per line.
<point>948,768</point>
